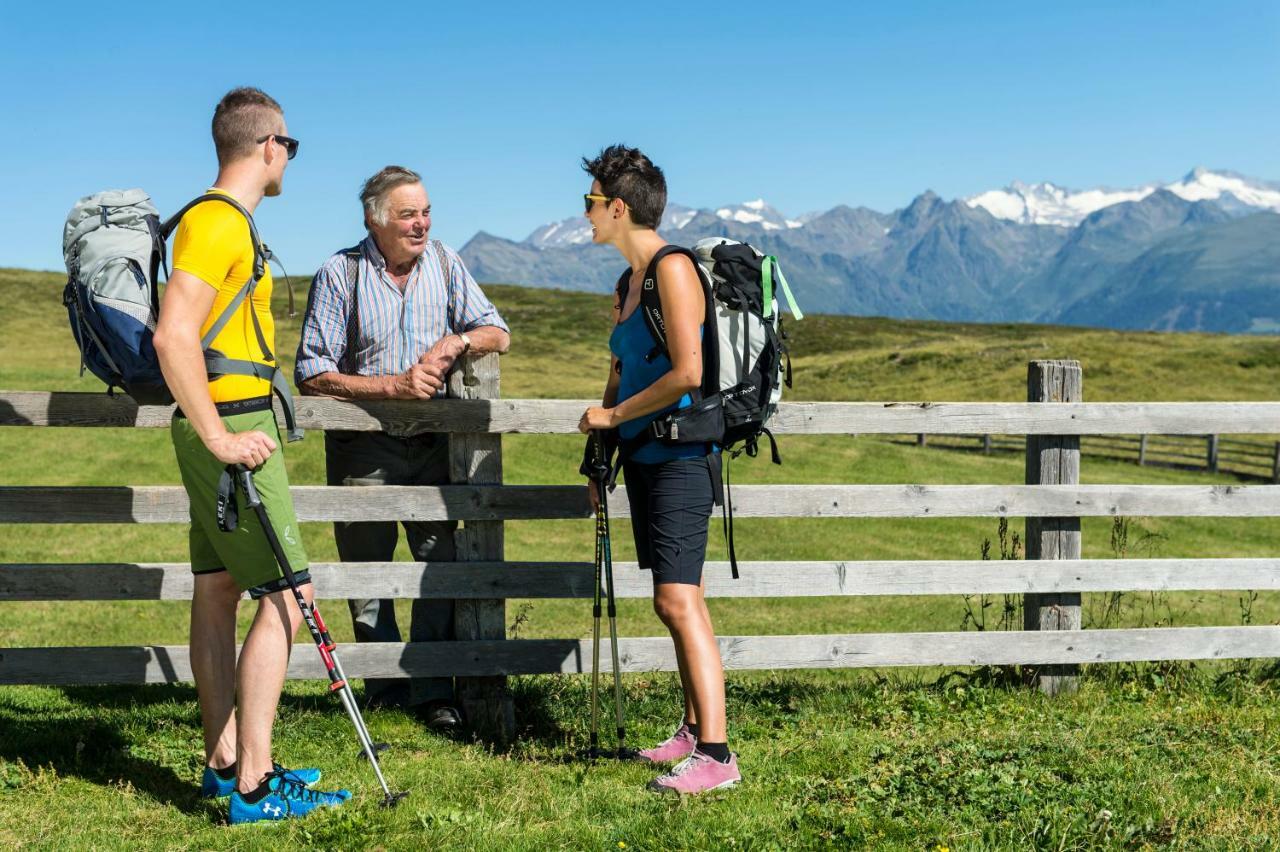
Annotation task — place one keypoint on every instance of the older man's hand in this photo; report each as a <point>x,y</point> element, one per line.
<point>421,381</point>
<point>444,353</point>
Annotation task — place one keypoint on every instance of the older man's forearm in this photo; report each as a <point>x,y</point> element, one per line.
<point>343,386</point>
<point>489,338</point>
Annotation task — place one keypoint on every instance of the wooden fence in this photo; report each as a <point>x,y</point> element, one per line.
<point>1252,459</point>
<point>1052,578</point>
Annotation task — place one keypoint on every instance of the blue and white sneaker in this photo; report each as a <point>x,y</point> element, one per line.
<point>286,798</point>
<point>214,787</point>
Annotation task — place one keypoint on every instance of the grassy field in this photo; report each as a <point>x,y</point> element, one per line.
<point>1144,757</point>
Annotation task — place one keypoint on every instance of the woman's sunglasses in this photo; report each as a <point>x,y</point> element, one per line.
<point>589,200</point>
<point>290,144</point>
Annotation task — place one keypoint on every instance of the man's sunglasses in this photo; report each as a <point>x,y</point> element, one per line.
<point>589,200</point>
<point>290,144</point>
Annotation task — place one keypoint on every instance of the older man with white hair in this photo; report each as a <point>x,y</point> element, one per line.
<point>386,319</point>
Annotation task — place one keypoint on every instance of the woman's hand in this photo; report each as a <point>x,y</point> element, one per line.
<point>597,418</point>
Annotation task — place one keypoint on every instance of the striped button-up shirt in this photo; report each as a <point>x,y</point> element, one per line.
<point>391,328</point>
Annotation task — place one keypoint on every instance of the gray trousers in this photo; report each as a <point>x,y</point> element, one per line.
<point>375,458</point>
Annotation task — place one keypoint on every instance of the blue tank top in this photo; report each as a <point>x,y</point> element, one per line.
<point>630,342</point>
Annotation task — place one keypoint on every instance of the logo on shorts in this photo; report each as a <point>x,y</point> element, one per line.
<point>288,535</point>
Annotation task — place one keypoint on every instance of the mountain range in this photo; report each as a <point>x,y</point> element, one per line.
<point>1201,253</point>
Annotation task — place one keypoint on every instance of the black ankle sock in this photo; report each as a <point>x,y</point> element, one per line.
<point>693,728</point>
<point>227,773</point>
<point>257,794</point>
<point>718,751</point>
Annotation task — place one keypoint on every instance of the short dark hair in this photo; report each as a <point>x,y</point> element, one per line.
<point>242,117</point>
<point>628,174</point>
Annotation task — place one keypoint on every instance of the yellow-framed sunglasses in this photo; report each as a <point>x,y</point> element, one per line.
<point>589,200</point>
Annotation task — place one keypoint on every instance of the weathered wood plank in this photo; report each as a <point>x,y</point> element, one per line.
<point>169,663</point>
<point>1053,460</point>
<point>486,580</point>
<point>551,416</point>
<point>168,504</point>
<point>477,459</point>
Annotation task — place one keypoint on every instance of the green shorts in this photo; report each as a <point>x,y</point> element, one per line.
<point>245,553</point>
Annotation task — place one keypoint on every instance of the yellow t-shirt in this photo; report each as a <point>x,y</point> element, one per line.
<point>213,244</point>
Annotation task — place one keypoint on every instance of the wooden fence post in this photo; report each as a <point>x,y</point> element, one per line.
<point>1275,466</point>
<point>1142,450</point>
<point>1211,453</point>
<point>921,440</point>
<point>986,445</point>
<point>477,459</point>
<point>1053,460</point>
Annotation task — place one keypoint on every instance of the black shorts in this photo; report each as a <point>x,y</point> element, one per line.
<point>671,503</point>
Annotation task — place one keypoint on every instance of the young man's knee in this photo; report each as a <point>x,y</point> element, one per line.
<point>282,606</point>
<point>216,588</point>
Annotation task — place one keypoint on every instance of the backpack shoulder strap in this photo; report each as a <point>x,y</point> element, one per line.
<point>259,269</point>
<point>651,305</point>
<point>259,250</point>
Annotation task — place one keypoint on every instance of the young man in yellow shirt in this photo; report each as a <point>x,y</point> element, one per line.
<point>226,420</point>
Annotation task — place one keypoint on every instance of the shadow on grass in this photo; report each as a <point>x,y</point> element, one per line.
<point>553,712</point>
<point>90,740</point>
<point>122,735</point>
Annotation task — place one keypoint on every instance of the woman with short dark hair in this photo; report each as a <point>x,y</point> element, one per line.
<point>671,488</point>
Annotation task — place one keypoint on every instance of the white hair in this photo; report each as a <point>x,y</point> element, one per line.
<point>374,193</point>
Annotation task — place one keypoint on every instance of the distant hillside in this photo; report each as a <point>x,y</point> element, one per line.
<point>1189,255</point>
<point>560,339</point>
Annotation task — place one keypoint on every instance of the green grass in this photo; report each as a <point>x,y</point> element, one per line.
<point>1180,756</point>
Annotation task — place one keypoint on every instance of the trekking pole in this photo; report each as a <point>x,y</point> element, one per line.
<point>604,545</point>
<point>243,477</point>
<point>594,749</point>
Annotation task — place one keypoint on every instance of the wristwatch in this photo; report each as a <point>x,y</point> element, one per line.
<point>466,343</point>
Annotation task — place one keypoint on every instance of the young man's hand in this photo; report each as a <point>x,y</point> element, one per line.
<point>251,449</point>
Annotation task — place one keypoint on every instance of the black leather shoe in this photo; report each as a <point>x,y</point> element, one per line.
<point>441,716</point>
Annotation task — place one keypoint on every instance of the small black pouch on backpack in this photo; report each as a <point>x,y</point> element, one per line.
<point>699,423</point>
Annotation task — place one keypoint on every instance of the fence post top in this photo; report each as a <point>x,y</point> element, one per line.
<point>475,377</point>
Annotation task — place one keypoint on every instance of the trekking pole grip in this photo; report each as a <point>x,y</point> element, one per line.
<point>245,475</point>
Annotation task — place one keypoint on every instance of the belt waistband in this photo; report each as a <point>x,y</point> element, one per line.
<point>238,406</point>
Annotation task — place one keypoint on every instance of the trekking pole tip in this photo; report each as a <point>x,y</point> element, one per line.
<point>392,799</point>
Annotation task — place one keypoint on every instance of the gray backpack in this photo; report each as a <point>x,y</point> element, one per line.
<point>114,247</point>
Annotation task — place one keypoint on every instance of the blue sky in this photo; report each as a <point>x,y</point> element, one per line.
<point>806,104</point>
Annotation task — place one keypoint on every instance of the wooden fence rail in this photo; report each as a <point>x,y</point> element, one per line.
<point>167,504</point>
<point>335,581</point>
<point>169,663</point>
<point>560,416</point>
<point>1051,499</point>
<point>1214,453</point>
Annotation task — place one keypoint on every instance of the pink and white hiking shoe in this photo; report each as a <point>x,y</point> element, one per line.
<point>679,745</point>
<point>698,773</point>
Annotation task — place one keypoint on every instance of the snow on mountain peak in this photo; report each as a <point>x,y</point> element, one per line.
<point>1048,204</point>
<point>1201,184</point>
<point>757,212</point>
